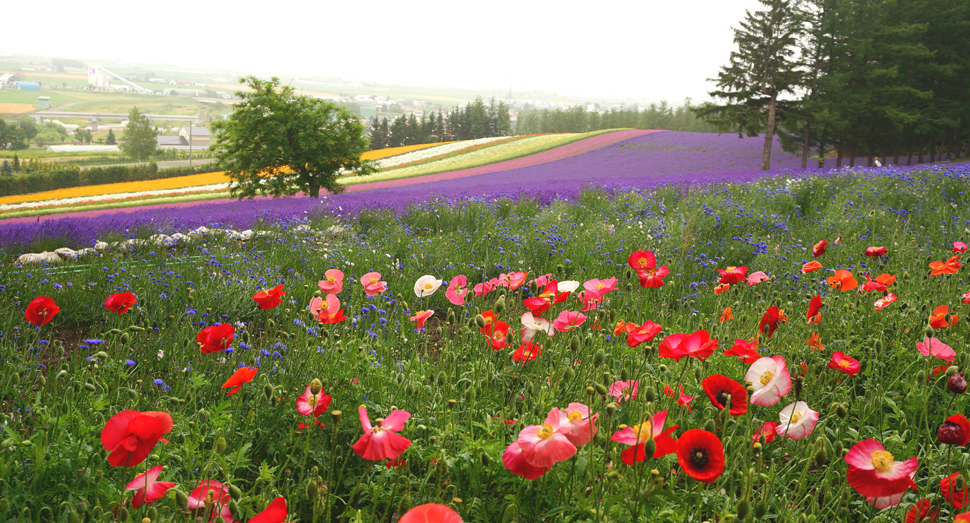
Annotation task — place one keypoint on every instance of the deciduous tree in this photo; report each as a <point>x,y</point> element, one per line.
<point>140,138</point>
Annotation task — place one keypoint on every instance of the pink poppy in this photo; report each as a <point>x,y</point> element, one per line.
<point>600,288</point>
<point>873,252</point>
<point>483,289</point>
<point>696,345</point>
<point>843,363</point>
<point>220,500</point>
<point>624,390</point>
<point>322,309</point>
<point>959,247</point>
<point>966,297</point>
<point>514,280</point>
<point>637,437</point>
<point>936,348</point>
<point>873,472</point>
<point>383,441</point>
<point>543,446</point>
<point>770,379</point>
<point>757,277</point>
<point>920,511</point>
<point>147,487</point>
<point>315,404</point>
<point>420,317</point>
<point>590,300</point>
<point>456,290</point>
<point>568,320</point>
<point>576,423</point>
<point>333,282</point>
<point>372,283</point>
<point>514,460</point>
<point>796,421</point>
<point>882,303</point>
<point>542,281</point>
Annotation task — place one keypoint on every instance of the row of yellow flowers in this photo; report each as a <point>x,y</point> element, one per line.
<point>394,151</point>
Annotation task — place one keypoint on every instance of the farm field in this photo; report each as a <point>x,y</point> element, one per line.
<point>647,329</point>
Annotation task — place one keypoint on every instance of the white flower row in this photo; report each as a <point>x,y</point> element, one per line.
<point>431,152</point>
<point>113,196</point>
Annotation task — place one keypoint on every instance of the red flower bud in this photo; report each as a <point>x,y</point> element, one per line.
<point>957,383</point>
<point>954,431</point>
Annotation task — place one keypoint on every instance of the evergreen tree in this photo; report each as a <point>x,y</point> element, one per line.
<point>111,140</point>
<point>16,163</point>
<point>378,140</point>
<point>6,169</point>
<point>399,130</point>
<point>759,71</point>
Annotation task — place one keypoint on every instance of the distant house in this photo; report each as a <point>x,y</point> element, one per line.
<point>156,80</point>
<point>26,86</point>
<point>172,142</point>
<point>200,136</point>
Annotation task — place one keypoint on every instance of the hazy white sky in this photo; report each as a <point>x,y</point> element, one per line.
<point>636,50</point>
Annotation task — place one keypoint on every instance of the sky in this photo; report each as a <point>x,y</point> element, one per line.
<point>640,50</point>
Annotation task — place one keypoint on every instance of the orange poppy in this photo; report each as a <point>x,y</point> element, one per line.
<point>721,288</point>
<point>843,281</point>
<point>726,314</point>
<point>811,266</point>
<point>949,267</point>
<point>815,342</point>
<point>938,319</point>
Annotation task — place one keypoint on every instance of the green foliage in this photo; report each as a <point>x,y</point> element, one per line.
<point>278,143</point>
<point>140,139</point>
<point>28,126</point>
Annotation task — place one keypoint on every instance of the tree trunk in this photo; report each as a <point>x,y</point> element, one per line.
<point>956,143</point>
<point>838,161</point>
<point>852,155</point>
<point>932,153</point>
<point>808,130</point>
<point>912,147</point>
<point>922,144</point>
<point>944,148</point>
<point>899,145</point>
<point>769,133</point>
<point>821,154</point>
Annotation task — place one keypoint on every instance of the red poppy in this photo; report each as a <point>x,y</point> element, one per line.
<point>642,260</point>
<point>843,363</point>
<point>527,352</point>
<point>499,335</point>
<point>951,266</point>
<point>813,307</point>
<point>147,487</point>
<point>490,319</point>
<point>120,303</point>
<point>696,345</point>
<point>880,284</point>
<point>430,513</point>
<point>269,298</point>
<point>217,338</point>
<point>769,430</point>
<point>238,378</point>
<point>382,441</point>
<point>770,319</point>
<point>275,512</point>
<point>962,518</point>
<point>684,400</point>
<point>954,431</point>
<point>921,512</point>
<point>546,298</point>
<point>131,435</point>
<point>396,463</point>
<point>744,350</point>
<point>653,278</point>
<point>642,333</point>
<point>874,472</point>
<point>958,498</point>
<point>938,319</point>
<point>843,281</point>
<point>811,266</point>
<point>726,315</point>
<point>873,252</point>
<point>701,455</point>
<point>732,274</point>
<point>41,310</point>
<point>718,387</point>
<point>819,248</point>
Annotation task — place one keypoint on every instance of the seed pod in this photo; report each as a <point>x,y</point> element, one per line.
<point>336,415</point>
<point>451,404</point>
<point>590,391</point>
<point>601,389</point>
<point>611,409</point>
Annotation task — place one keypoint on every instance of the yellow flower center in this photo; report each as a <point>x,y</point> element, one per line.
<point>331,279</point>
<point>600,285</point>
<point>545,431</point>
<point>766,377</point>
<point>729,269</point>
<point>643,431</point>
<point>795,417</point>
<point>324,305</point>
<point>882,461</point>
<point>575,416</point>
<point>374,279</point>
<point>625,391</point>
<point>427,286</point>
<point>312,400</point>
<point>843,363</point>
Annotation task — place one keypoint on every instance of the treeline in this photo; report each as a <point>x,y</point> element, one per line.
<point>67,178</point>
<point>579,120</point>
<point>851,77</point>
<point>475,120</point>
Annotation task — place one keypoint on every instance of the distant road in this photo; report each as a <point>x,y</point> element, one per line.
<point>161,165</point>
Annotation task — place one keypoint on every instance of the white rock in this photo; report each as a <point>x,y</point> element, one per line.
<point>70,254</point>
<point>100,246</point>
<point>302,228</point>
<point>85,252</point>
<point>199,231</point>
<point>160,239</point>
<point>30,259</point>
<point>247,234</point>
<point>179,237</point>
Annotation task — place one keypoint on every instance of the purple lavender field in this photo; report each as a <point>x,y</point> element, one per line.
<point>645,161</point>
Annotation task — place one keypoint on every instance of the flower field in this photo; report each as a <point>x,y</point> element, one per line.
<point>646,347</point>
<point>396,151</point>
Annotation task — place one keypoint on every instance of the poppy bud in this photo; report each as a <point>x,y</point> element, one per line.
<point>500,304</point>
<point>838,448</point>
<point>122,514</point>
<point>451,317</point>
<point>181,500</point>
<point>650,447</point>
<point>312,490</point>
<point>560,269</point>
<point>957,383</point>
<point>98,476</point>
<point>442,379</point>
<point>125,338</point>
<point>470,394</point>
<point>760,509</point>
<point>599,358</point>
<point>951,370</point>
<point>73,517</point>
<point>569,374</point>
<point>629,274</point>
<point>697,374</point>
<point>601,389</point>
<point>821,456</point>
<point>575,343</point>
<point>234,508</point>
<point>480,321</point>
<point>221,445</point>
<point>920,376</point>
<point>663,369</point>
<point>404,504</point>
<point>960,483</point>
<point>152,514</point>
<point>268,391</point>
<point>624,374</point>
<point>220,519</point>
<point>271,324</point>
<point>452,404</point>
<point>441,468</point>
<point>315,386</point>
<point>15,379</point>
<point>90,387</point>
<point>335,415</point>
<point>841,411</point>
<point>611,409</point>
<point>25,514</point>
<point>650,393</point>
<point>710,426</point>
<point>4,505</point>
<point>744,507</point>
<point>133,394</point>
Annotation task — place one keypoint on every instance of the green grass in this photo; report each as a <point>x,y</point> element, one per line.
<point>60,393</point>
<point>30,97</point>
